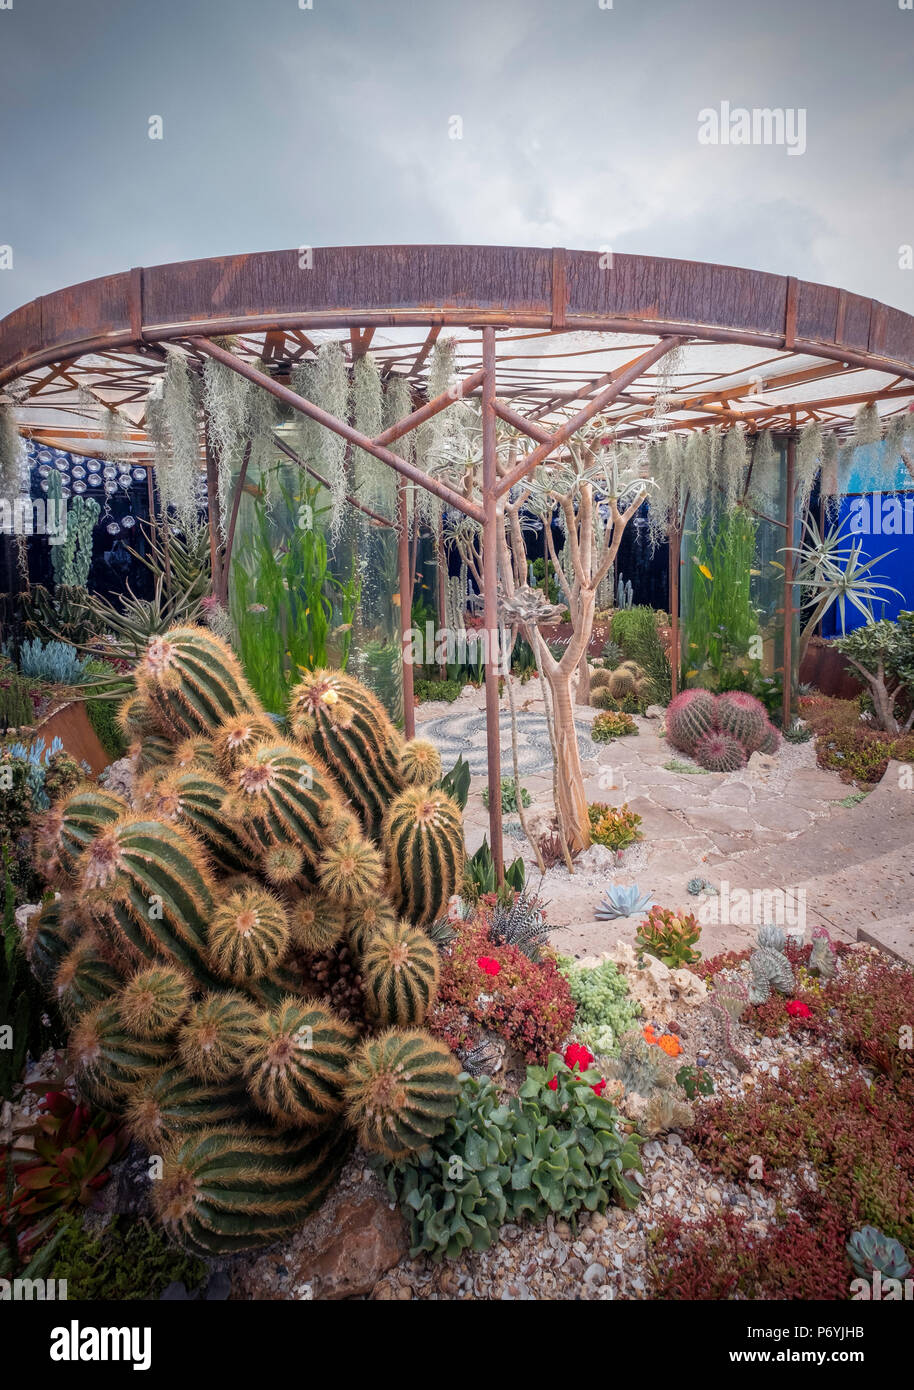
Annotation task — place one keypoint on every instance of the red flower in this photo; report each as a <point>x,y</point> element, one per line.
<point>577,1055</point>
<point>488,965</point>
<point>797,1009</point>
<point>599,1088</point>
<point>553,1085</point>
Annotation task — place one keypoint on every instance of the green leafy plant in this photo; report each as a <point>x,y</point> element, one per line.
<point>720,619</point>
<point>448,691</point>
<point>670,936</point>
<point>609,725</point>
<point>695,1081</point>
<point>479,874</point>
<point>508,796</point>
<point>130,1260</point>
<point>556,1148</point>
<point>604,1008</point>
<point>883,654</point>
<point>616,829</point>
<point>456,783</point>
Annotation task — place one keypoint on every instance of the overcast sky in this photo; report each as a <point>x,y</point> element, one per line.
<point>285,126</point>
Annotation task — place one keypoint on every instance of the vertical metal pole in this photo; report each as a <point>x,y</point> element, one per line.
<point>790,518</point>
<point>490,599</point>
<point>406,607</point>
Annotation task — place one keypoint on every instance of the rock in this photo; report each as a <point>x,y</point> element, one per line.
<point>23,914</point>
<point>340,1252</point>
<point>654,712</point>
<point>692,989</point>
<point>598,859</point>
<point>595,1273</point>
<point>119,777</point>
<point>540,821</point>
<point>760,764</point>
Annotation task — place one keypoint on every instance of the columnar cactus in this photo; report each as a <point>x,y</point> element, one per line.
<point>248,934</point>
<point>283,797</point>
<point>157,874</point>
<point>744,718</point>
<point>401,1091</point>
<point>73,824</point>
<point>689,717</point>
<point>400,974</point>
<point>153,1001</point>
<point>423,838</point>
<point>420,763</point>
<point>234,1188</point>
<point>214,1035</point>
<point>106,1059</point>
<point>348,728</point>
<point>192,681</point>
<point>173,1101</point>
<point>295,1060</point>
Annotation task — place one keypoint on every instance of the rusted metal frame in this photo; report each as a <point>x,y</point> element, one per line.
<point>789,607</point>
<point>360,342</point>
<point>340,427</point>
<point>426,348</point>
<point>427,411</point>
<point>403,568</point>
<point>490,599</point>
<point>233,521</point>
<point>290,453</point>
<point>521,422</point>
<point>605,397</point>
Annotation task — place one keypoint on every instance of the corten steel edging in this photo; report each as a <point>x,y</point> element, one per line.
<point>416,286</point>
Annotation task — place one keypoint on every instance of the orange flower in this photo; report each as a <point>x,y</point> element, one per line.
<point>670,1044</point>
<point>649,1034</point>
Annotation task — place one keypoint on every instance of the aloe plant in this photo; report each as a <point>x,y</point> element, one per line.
<point>623,901</point>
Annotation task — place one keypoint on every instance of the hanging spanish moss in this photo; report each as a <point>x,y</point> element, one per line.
<point>666,498</point>
<point>697,472</point>
<point>375,483</point>
<point>11,455</point>
<point>115,446</point>
<point>439,444</point>
<point>830,475</point>
<point>331,393</point>
<point>173,426</point>
<point>867,426</point>
<point>733,461</point>
<point>263,415</point>
<point>765,479</point>
<point>808,456</point>
<point>307,441</point>
<point>226,403</point>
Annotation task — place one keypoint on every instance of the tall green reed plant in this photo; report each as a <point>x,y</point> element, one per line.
<point>721,622</point>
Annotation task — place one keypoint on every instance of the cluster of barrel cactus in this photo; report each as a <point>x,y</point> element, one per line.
<point>181,944</point>
<point>721,732</point>
<point>625,680</point>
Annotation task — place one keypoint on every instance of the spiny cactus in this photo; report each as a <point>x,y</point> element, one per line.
<point>248,934</point>
<point>106,1059</point>
<point>194,752</point>
<point>239,734</point>
<point>135,718</point>
<point>717,752</point>
<point>235,1188</point>
<point>367,917</point>
<point>295,1059</point>
<point>400,974</point>
<point>689,716</point>
<point>348,728</point>
<point>599,678</point>
<point>72,824</point>
<point>423,837</point>
<point>153,1001</point>
<point>192,681</point>
<point>49,935</point>
<point>84,979</point>
<point>316,923</point>
<point>195,796</point>
<point>283,797</point>
<point>621,683</point>
<point>172,1101</point>
<point>156,872</point>
<point>352,870</point>
<point>743,717</point>
<point>151,751</point>
<point>730,1000</point>
<point>401,1091</point>
<point>822,957</point>
<point>771,742</point>
<point>420,763</point>
<point>214,1035</point>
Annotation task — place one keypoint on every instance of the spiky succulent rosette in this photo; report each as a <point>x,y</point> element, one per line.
<point>400,974</point>
<point>420,763</point>
<point>316,923</point>
<point>153,1001</point>
<point>351,870</point>
<point>349,730</point>
<point>72,824</point>
<point>237,1188</point>
<point>164,1106</point>
<point>248,934</point>
<point>282,796</point>
<point>195,796</point>
<point>106,1059</point>
<point>192,681</point>
<point>401,1091</point>
<point>295,1059</point>
<point>366,918</point>
<point>84,979</point>
<point>214,1035</point>
<point>238,735</point>
<point>423,838</point>
<point>157,875</point>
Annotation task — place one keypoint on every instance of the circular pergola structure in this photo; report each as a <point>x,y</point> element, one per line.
<point>548,339</point>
